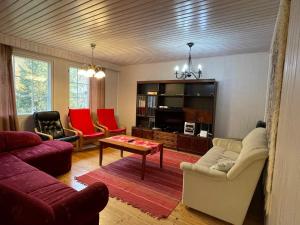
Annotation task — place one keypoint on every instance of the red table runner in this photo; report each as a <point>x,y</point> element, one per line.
<point>155,147</point>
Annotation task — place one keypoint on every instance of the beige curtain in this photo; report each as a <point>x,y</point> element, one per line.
<point>8,112</point>
<point>97,95</point>
<point>276,69</point>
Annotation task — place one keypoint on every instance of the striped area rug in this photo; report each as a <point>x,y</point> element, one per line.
<point>158,194</point>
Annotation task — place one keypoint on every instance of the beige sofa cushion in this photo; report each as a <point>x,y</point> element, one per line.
<point>215,154</point>
<point>255,139</point>
<point>233,145</point>
<point>223,165</point>
<point>254,149</point>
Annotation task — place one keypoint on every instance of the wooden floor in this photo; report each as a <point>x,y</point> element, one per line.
<point>117,212</point>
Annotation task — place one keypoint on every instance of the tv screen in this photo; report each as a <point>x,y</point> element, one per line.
<point>171,120</point>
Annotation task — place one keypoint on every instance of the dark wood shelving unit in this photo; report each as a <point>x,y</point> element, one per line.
<point>168,104</point>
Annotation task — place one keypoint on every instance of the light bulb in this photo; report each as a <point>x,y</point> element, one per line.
<point>90,73</point>
<point>200,67</point>
<point>100,74</point>
<point>176,68</point>
<point>184,68</point>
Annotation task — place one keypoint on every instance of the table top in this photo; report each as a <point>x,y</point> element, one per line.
<point>128,144</point>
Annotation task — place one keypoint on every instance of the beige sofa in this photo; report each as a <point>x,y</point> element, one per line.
<point>226,195</point>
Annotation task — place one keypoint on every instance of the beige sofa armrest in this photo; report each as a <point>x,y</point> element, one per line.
<point>215,174</point>
<point>242,164</point>
<point>234,145</point>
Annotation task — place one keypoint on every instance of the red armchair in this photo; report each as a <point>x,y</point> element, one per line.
<point>80,121</point>
<point>106,120</point>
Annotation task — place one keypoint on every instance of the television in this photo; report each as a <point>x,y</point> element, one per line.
<point>170,119</point>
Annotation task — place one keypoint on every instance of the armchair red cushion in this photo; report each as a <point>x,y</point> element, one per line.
<point>81,120</point>
<point>106,117</point>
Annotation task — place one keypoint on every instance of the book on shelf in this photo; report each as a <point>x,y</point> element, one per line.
<point>151,105</point>
<point>141,102</point>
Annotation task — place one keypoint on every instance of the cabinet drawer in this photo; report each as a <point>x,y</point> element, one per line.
<point>168,139</point>
<point>193,144</point>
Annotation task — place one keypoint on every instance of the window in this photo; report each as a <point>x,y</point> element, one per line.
<point>32,85</point>
<point>79,89</point>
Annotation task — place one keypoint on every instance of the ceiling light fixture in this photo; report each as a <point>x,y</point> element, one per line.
<point>187,69</point>
<point>92,70</point>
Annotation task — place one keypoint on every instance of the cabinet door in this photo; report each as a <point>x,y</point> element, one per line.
<point>148,134</point>
<point>137,132</point>
<point>201,145</point>
<point>184,143</point>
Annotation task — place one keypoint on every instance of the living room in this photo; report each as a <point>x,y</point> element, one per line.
<point>149,112</point>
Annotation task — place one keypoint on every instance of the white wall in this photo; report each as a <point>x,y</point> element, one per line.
<point>60,87</point>
<point>242,82</point>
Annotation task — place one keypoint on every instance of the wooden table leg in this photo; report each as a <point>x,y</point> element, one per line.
<point>100,153</point>
<point>122,153</point>
<point>161,156</point>
<point>143,166</point>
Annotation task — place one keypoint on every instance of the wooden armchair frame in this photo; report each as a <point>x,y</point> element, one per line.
<point>48,136</point>
<point>83,140</point>
<point>107,132</point>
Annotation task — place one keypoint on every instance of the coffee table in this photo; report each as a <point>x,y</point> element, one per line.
<point>129,147</point>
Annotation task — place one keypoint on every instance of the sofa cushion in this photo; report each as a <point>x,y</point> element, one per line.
<point>10,166</point>
<point>11,140</point>
<point>20,208</point>
<point>230,155</point>
<point>211,157</point>
<point>16,174</point>
<point>44,155</point>
<point>223,165</point>
<point>255,139</point>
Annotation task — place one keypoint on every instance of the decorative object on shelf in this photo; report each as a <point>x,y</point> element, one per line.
<point>189,128</point>
<point>203,133</point>
<point>152,93</point>
<point>92,70</point>
<point>187,69</point>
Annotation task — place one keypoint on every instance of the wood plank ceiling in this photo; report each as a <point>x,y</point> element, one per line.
<point>143,31</point>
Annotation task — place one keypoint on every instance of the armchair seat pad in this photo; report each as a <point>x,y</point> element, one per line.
<point>119,130</point>
<point>94,135</point>
<point>69,138</point>
<point>42,156</point>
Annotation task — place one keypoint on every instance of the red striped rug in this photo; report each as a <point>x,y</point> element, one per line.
<point>158,194</point>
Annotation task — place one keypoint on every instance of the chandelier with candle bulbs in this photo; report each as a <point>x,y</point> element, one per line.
<point>188,70</point>
<point>92,70</point>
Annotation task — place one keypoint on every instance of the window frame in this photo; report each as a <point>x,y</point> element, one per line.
<point>50,78</point>
<point>88,87</point>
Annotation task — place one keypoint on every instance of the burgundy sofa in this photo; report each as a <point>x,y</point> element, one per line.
<point>29,196</point>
